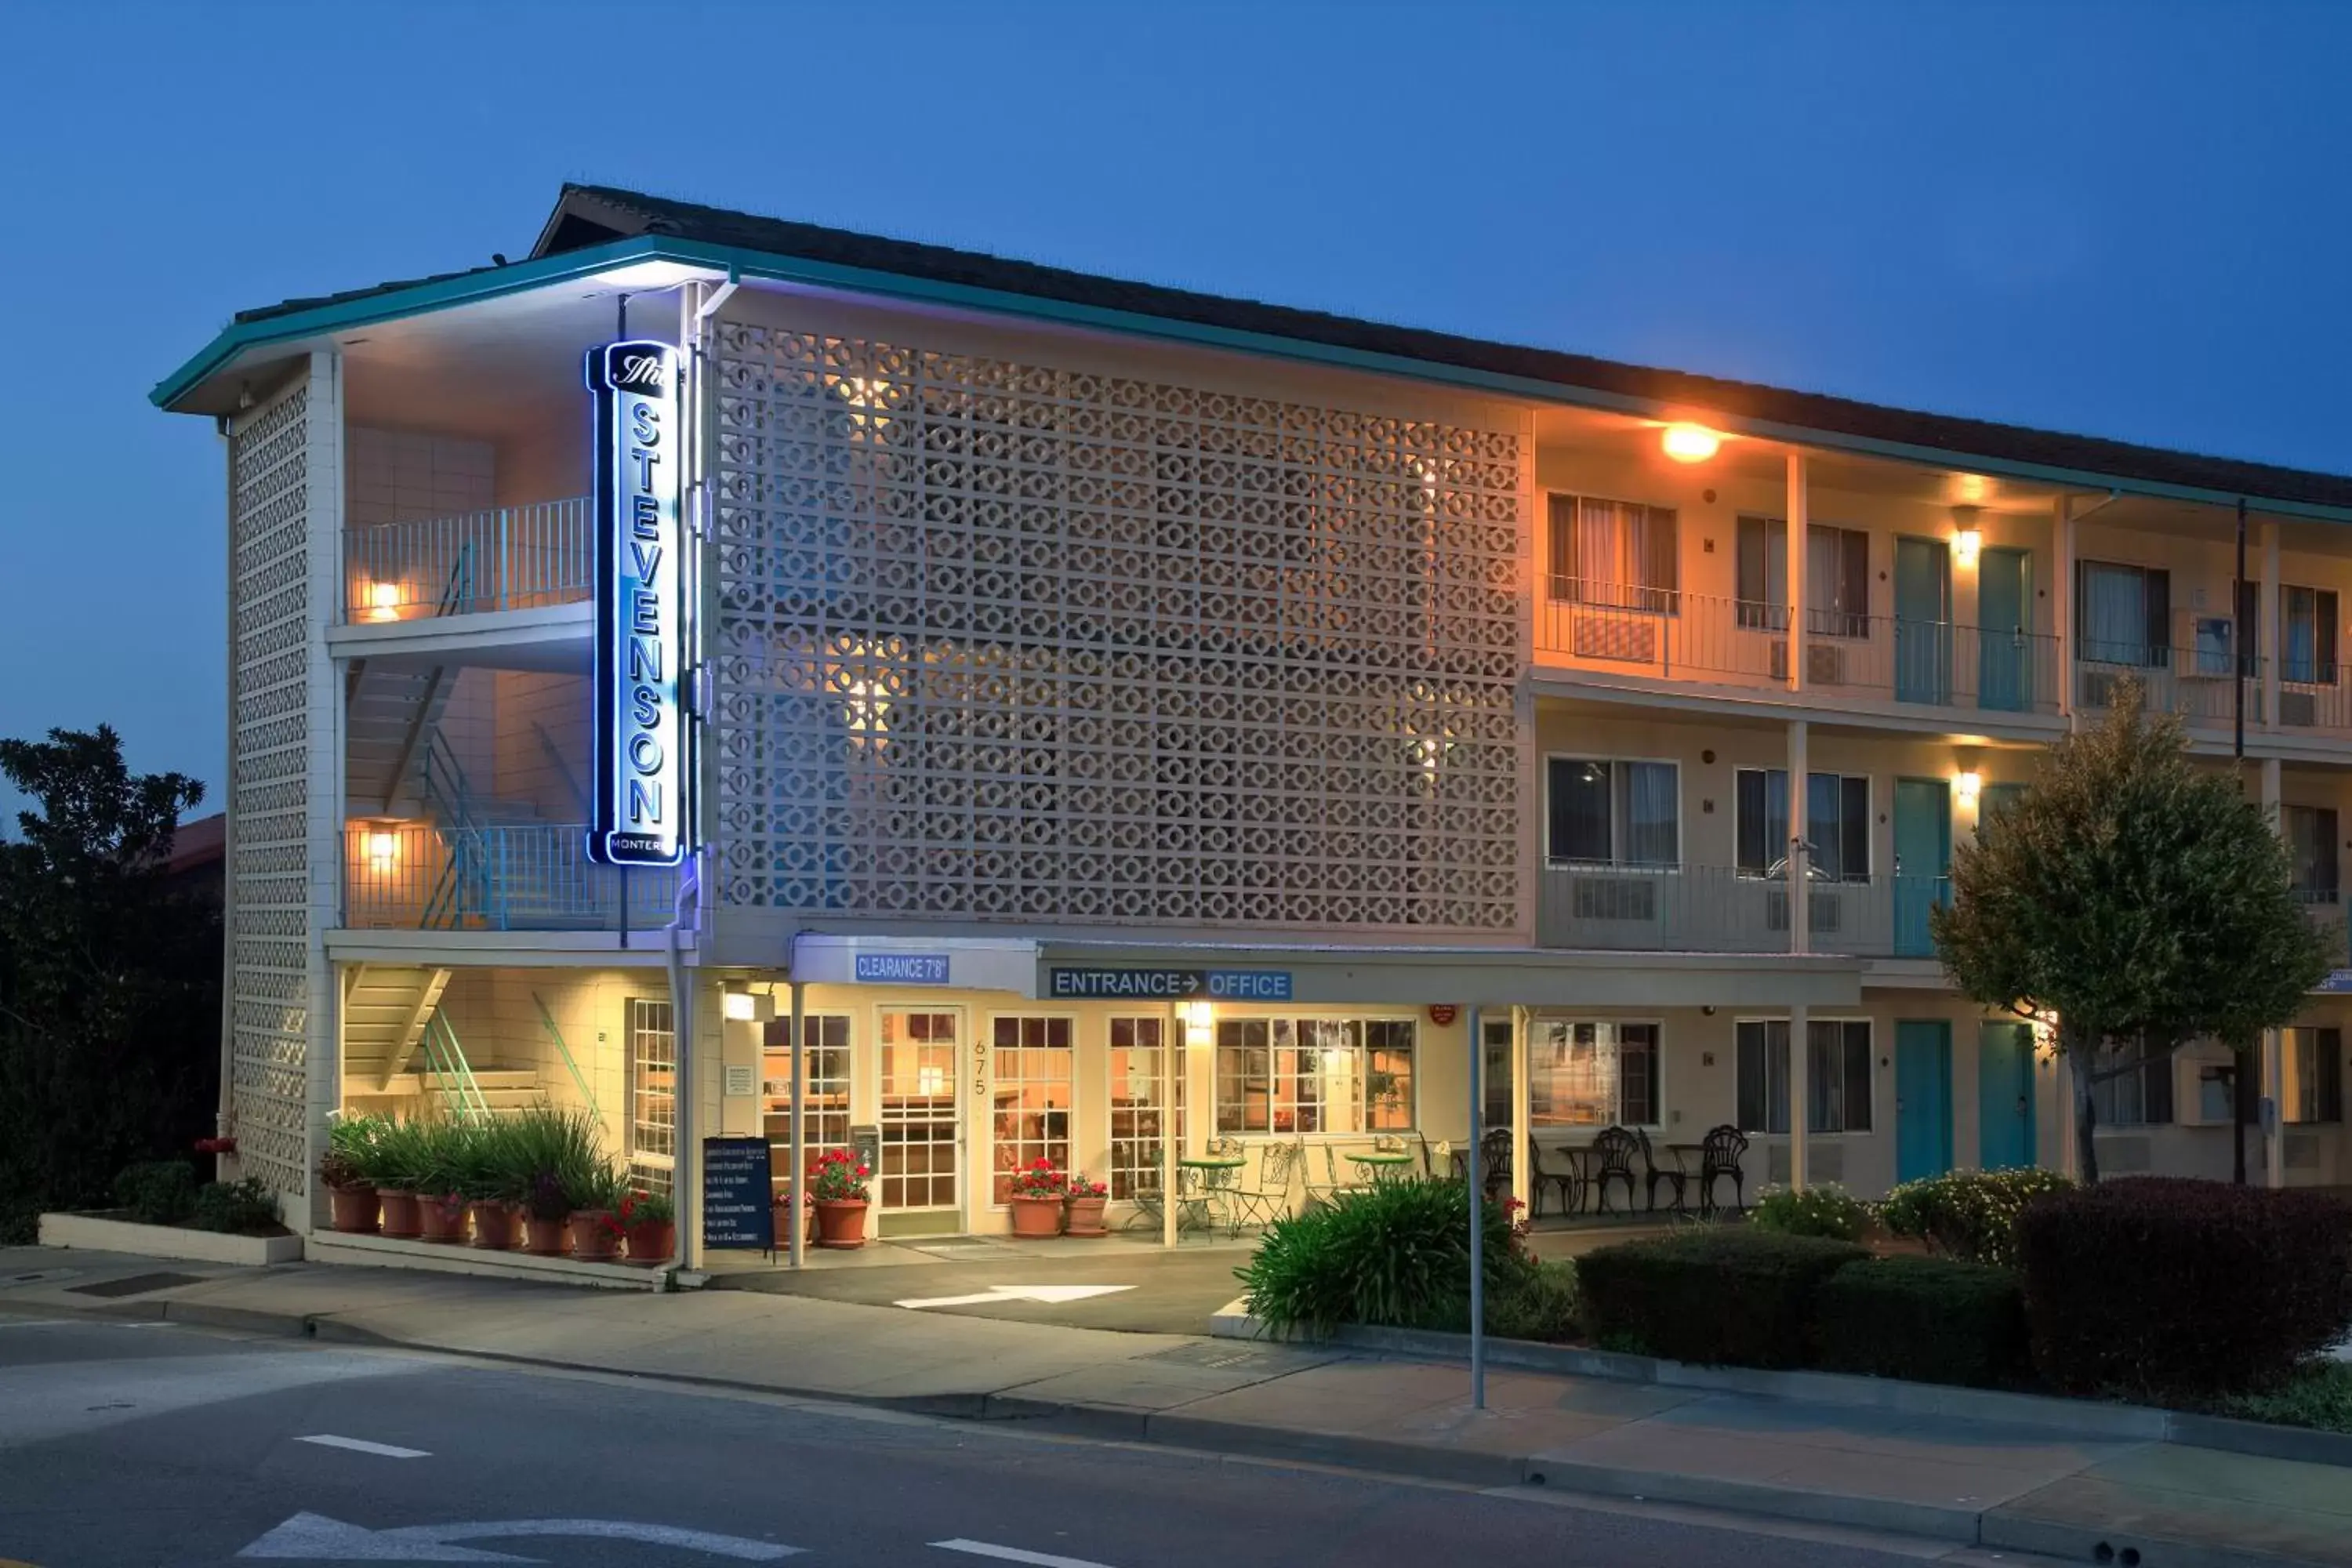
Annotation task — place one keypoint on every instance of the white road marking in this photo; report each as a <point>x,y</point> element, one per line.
<point>312,1536</point>
<point>35,1323</point>
<point>1048,1293</point>
<point>1014,1554</point>
<point>362,1446</point>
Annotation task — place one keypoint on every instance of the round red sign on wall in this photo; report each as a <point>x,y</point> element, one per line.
<point>1442,1013</point>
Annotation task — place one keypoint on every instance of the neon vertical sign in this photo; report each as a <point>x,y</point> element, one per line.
<point>640,805</point>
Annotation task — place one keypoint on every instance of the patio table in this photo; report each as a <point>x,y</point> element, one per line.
<point>1380,1164</point>
<point>1687,1158</point>
<point>1580,1160</point>
<point>1216,1173</point>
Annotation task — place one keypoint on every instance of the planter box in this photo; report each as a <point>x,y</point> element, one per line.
<point>102,1233</point>
<point>439,1258</point>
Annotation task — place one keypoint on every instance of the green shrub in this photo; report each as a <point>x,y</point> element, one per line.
<point>552,1152</point>
<point>20,1221</point>
<point>237,1208</point>
<point>1396,1255</point>
<point>157,1192</point>
<point>2176,1288</point>
<point>2318,1394</point>
<point>1828,1210</point>
<point>1934,1319</point>
<point>1968,1215</point>
<point>1540,1303</point>
<point>1714,1294</point>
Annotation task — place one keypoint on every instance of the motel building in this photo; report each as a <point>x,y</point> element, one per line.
<point>1121,723</point>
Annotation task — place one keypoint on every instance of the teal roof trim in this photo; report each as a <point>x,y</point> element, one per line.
<point>397,302</point>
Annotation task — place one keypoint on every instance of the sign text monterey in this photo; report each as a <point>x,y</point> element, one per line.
<point>640,796</point>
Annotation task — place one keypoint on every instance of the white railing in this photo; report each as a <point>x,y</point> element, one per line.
<point>510,558</point>
<point>534,876</point>
<point>1717,908</point>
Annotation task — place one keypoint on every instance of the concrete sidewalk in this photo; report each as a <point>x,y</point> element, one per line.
<point>2015,1487</point>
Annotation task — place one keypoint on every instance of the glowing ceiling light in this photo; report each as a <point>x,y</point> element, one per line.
<point>1690,443</point>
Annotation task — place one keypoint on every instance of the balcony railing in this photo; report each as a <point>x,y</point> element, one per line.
<point>524,876</point>
<point>1738,642</point>
<point>1716,909</point>
<point>512,558</point>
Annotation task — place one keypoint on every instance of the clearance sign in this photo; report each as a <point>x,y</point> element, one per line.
<point>639,806</point>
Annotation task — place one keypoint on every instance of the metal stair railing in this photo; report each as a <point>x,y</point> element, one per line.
<point>457,594</point>
<point>468,884</point>
<point>579,1080</point>
<point>452,1074</point>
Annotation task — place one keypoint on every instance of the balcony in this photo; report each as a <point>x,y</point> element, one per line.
<point>524,876</point>
<point>1715,909</point>
<point>2198,684</point>
<point>512,558</point>
<point>1613,628</point>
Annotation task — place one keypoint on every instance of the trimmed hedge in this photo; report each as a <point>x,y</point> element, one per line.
<point>1934,1319</point>
<point>1968,1215</point>
<point>243,1208</point>
<point>2171,1285</point>
<point>1712,1294</point>
<point>157,1192</point>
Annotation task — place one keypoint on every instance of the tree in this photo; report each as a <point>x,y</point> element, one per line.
<point>2133,901</point>
<point>109,976</point>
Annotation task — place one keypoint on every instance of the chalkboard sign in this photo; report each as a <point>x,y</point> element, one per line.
<point>735,1194</point>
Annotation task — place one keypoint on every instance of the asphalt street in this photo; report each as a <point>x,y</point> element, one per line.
<point>126,1446</point>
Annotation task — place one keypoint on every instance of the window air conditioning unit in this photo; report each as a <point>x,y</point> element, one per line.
<point>1631,638</point>
<point>1616,899</point>
<point>1824,663</point>
<point>1825,911</point>
<point>2299,709</point>
<point>2099,688</point>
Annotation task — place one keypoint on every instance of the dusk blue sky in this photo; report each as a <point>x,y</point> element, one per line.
<point>2128,219</point>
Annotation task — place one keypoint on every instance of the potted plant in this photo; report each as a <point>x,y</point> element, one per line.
<point>346,1169</point>
<point>440,1201</point>
<point>649,1225</point>
<point>1037,1191</point>
<point>551,1151</point>
<point>399,1162</point>
<point>546,1216</point>
<point>492,1181</point>
<point>596,1194</point>
<point>1083,1209</point>
<point>837,1189</point>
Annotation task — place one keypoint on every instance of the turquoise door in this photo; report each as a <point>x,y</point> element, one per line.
<point>1923,852</point>
<point>2004,620</point>
<point>1923,621</point>
<point>2005,1140</point>
<point>1923,1099</point>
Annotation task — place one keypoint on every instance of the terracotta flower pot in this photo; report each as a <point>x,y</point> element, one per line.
<point>443,1218</point>
<point>545,1237</point>
<point>1087,1216</point>
<point>1037,1216</point>
<point>652,1241</point>
<point>592,1235</point>
<point>494,1227</point>
<point>355,1209</point>
<point>400,1216</point>
<point>841,1222</point>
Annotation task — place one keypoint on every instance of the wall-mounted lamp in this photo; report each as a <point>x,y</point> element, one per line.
<point>1967,786</point>
<point>1687,443</point>
<point>1196,1017</point>
<point>741,1007</point>
<point>384,601</point>
<point>383,852</point>
<point>1968,539</point>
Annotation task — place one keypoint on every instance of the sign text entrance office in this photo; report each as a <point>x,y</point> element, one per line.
<point>639,809</point>
<point>1171,984</point>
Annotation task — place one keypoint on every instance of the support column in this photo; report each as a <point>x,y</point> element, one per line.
<point>1800,906</point>
<point>1798,528</point>
<point>1524,1135</point>
<point>2062,601</point>
<point>2273,1079</point>
<point>1173,1059</point>
<point>1477,1208</point>
<point>2267,631</point>
<point>796,1218</point>
<point>1800,1094</point>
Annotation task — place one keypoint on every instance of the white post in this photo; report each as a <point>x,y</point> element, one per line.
<point>2267,632</point>
<point>1800,1093</point>
<point>1798,528</point>
<point>1800,907</point>
<point>1477,1223</point>
<point>2273,1081</point>
<point>1172,1053</point>
<point>1522,1134</point>
<point>2062,619</point>
<point>796,1218</point>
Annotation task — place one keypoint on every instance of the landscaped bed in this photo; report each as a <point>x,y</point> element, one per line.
<point>2192,1295</point>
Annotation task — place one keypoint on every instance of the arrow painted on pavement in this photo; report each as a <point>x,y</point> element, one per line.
<point>315,1537</point>
<point>1049,1293</point>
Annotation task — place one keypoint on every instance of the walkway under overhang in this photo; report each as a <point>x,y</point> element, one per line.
<point>1068,970</point>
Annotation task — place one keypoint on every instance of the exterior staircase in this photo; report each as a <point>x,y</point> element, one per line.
<point>399,1045</point>
<point>391,716</point>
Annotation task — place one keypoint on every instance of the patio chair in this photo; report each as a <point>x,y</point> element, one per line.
<point>1541,1176</point>
<point>1671,1175</point>
<point>1612,1160</point>
<point>1495,1162</point>
<point>1720,1154</point>
<point>1267,1198</point>
<point>1333,1185</point>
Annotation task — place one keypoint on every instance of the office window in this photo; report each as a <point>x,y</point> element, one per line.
<point>824,1091</point>
<point>1613,553</point>
<point>2311,839</point>
<point>653,1094</point>
<point>1609,813</point>
<point>1592,1074</point>
<point>1138,1092</point>
<point>1837,1075</point>
<point>2311,1064</point>
<point>1034,1068</point>
<point>1837,825</point>
<point>2140,1095</point>
<point>1289,1076</point>
<point>2307,622</point>
<point>1837,578</point>
<point>2124,614</point>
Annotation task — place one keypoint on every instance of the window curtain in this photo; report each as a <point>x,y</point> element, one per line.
<point>1837,825</point>
<point>2307,635</point>
<point>1651,814</point>
<point>1837,1068</point>
<point>1619,554</point>
<point>1837,582</point>
<point>2310,833</point>
<point>2125,612</point>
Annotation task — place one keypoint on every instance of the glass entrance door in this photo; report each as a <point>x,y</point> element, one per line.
<point>921,1122</point>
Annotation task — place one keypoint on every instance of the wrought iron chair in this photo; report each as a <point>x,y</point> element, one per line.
<point>1495,1162</point>
<point>1612,1160</point>
<point>1720,1154</point>
<point>1268,1199</point>
<point>1673,1176</point>
<point>1568,1182</point>
<point>1333,1185</point>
